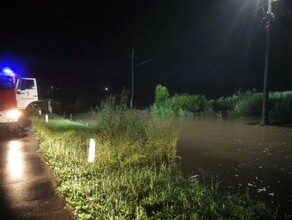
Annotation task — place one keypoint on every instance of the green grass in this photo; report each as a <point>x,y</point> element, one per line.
<point>134,175</point>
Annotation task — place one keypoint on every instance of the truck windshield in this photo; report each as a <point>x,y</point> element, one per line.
<point>6,83</point>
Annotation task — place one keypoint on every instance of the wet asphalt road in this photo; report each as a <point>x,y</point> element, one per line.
<point>27,188</point>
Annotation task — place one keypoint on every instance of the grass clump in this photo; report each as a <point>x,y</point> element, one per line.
<point>127,138</point>
<point>134,175</point>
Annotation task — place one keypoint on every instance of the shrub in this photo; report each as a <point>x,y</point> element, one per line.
<point>188,103</point>
<point>241,104</point>
<point>161,94</point>
<point>223,104</point>
<point>281,105</point>
<point>248,104</point>
<point>178,104</point>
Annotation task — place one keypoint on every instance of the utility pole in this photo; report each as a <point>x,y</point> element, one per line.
<point>267,18</point>
<point>133,68</point>
<point>132,88</point>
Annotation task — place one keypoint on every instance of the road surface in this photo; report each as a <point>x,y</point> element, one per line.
<point>27,188</point>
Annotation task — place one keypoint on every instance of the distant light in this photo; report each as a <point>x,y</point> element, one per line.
<point>7,71</point>
<point>106,88</point>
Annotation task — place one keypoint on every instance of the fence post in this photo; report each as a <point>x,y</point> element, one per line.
<point>91,150</point>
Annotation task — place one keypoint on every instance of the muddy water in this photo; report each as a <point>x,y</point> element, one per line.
<point>241,155</point>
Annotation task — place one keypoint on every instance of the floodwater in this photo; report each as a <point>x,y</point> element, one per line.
<point>241,155</point>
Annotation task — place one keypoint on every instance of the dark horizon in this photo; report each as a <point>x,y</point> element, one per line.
<point>210,47</point>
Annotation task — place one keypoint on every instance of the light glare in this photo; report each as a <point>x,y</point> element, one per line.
<point>15,160</point>
<point>13,114</point>
<point>7,71</point>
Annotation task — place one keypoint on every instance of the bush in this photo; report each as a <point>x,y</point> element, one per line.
<point>248,104</point>
<point>188,103</point>
<point>224,104</point>
<point>180,105</point>
<point>281,105</point>
<point>161,95</point>
<point>241,104</point>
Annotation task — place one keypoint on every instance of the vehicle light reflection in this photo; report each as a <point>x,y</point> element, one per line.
<point>15,159</point>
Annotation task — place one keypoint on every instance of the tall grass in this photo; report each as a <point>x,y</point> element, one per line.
<point>134,175</point>
<point>126,138</point>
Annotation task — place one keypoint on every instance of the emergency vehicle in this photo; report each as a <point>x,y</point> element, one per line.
<point>16,94</point>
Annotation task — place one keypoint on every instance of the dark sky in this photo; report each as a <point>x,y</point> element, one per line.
<point>210,47</point>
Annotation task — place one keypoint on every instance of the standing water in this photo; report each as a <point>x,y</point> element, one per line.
<point>241,155</point>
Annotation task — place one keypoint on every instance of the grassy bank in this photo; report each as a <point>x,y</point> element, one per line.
<point>134,175</point>
<point>240,104</point>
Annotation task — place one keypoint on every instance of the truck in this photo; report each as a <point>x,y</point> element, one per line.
<point>16,94</point>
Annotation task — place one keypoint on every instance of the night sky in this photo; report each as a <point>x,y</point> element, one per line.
<point>210,47</point>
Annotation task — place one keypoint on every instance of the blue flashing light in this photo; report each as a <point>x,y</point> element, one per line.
<point>7,71</point>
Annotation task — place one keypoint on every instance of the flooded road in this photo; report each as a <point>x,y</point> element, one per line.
<point>241,155</point>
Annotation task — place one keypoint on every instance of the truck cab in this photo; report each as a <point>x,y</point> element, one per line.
<point>26,92</point>
<point>16,93</point>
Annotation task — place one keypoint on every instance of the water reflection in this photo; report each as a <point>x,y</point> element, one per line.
<point>239,154</point>
<point>15,164</point>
